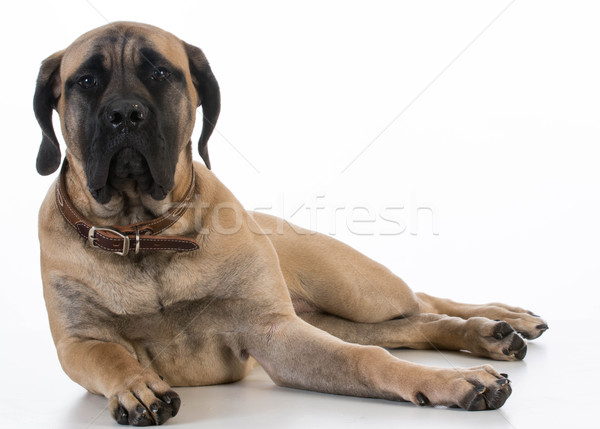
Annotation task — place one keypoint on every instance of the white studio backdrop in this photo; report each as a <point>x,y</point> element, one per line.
<point>455,142</point>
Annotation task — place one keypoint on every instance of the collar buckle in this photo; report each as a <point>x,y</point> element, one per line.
<point>124,250</point>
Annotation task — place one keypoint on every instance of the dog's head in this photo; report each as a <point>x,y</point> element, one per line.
<point>126,95</point>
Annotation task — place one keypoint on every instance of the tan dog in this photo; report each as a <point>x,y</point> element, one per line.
<point>188,288</point>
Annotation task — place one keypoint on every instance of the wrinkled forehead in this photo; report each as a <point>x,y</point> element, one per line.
<point>122,46</point>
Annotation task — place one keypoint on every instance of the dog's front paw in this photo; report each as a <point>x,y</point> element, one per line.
<point>472,389</point>
<point>145,400</point>
<point>486,394</point>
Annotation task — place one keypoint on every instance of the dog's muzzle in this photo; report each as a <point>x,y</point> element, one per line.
<point>130,152</point>
<point>124,115</point>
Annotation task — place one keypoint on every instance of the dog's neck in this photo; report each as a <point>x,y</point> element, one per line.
<point>128,206</point>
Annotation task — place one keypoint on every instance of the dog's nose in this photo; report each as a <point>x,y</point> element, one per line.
<point>125,114</point>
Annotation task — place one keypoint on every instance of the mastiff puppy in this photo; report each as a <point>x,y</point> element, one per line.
<point>155,275</point>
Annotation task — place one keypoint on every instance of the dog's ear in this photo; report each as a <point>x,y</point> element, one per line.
<point>209,96</point>
<point>47,93</point>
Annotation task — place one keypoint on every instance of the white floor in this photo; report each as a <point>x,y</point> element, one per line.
<point>555,386</point>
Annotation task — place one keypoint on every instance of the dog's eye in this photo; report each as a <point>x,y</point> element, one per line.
<point>160,74</point>
<point>87,81</point>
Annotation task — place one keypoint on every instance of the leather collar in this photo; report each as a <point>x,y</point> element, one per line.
<point>121,239</point>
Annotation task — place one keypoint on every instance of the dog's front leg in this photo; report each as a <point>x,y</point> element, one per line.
<point>295,354</point>
<point>137,396</point>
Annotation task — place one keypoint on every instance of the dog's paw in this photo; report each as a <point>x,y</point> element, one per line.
<point>525,322</point>
<point>144,401</point>
<point>494,339</point>
<point>486,397</point>
<point>512,345</point>
<point>472,389</point>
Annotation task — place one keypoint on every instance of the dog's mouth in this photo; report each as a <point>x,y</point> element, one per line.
<point>129,166</point>
<point>128,171</point>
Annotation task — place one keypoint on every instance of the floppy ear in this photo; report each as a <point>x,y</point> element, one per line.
<point>209,96</point>
<point>47,93</point>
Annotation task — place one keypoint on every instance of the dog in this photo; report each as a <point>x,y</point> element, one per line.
<point>155,276</point>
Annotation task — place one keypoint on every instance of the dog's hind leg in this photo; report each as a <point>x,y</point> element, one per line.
<point>478,335</point>
<point>326,274</point>
<point>523,321</point>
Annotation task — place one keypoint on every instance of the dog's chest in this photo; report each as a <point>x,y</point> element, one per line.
<point>181,315</point>
<point>190,342</point>
<point>147,286</point>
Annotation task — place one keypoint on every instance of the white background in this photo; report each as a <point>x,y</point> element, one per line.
<point>496,132</point>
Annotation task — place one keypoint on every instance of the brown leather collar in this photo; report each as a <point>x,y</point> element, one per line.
<point>119,239</point>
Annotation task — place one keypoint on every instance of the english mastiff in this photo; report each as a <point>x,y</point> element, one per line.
<point>155,276</point>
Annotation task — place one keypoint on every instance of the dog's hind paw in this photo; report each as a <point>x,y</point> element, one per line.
<point>494,339</point>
